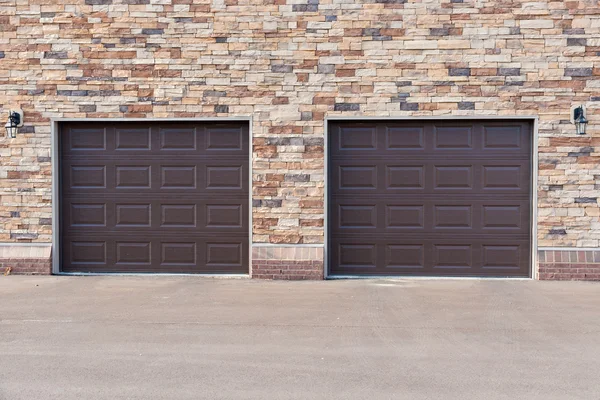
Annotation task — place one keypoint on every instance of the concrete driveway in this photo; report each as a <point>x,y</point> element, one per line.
<point>195,338</point>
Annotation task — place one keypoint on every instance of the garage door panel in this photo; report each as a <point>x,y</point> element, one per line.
<point>138,139</point>
<point>509,138</point>
<point>427,256</point>
<point>138,252</point>
<point>182,177</point>
<point>405,177</point>
<point>137,215</point>
<point>356,255</point>
<point>506,176</point>
<point>225,216</point>
<point>111,176</point>
<point>405,138</point>
<point>87,251</point>
<point>475,177</point>
<point>156,198</point>
<point>356,138</point>
<point>224,139</point>
<point>404,256</point>
<point>353,177</point>
<point>453,256</point>
<point>405,216</point>
<point>508,216</point>
<point>133,176</point>
<point>453,177</point>
<point>503,256</point>
<point>186,255</point>
<point>86,214</point>
<point>453,217</point>
<point>84,139</point>
<point>220,139</point>
<point>224,255</point>
<point>225,177</point>
<point>445,199</point>
<point>180,138</point>
<point>396,215</point>
<point>131,215</point>
<point>82,176</point>
<point>452,137</point>
<point>357,216</point>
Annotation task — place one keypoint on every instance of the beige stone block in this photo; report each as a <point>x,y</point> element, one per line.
<point>420,44</point>
<point>537,24</point>
<point>454,44</point>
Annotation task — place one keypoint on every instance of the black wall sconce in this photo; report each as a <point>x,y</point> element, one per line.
<point>578,118</point>
<point>15,121</point>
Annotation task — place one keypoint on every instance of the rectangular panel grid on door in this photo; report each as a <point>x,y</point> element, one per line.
<point>154,197</point>
<point>435,198</point>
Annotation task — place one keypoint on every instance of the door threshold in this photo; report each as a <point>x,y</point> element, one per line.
<point>396,277</point>
<point>155,274</point>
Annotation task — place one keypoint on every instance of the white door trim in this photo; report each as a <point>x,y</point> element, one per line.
<point>55,159</point>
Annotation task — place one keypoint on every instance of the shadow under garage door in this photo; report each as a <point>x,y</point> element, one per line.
<point>434,198</point>
<point>154,197</point>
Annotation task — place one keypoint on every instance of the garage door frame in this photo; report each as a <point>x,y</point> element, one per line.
<point>56,201</point>
<point>533,205</point>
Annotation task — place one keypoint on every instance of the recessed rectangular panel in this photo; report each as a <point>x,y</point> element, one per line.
<point>88,252</point>
<point>133,139</point>
<point>183,177</point>
<point>178,253</point>
<point>87,139</point>
<point>178,215</point>
<point>224,215</point>
<point>501,257</point>
<point>405,138</point>
<point>224,138</point>
<point>404,177</point>
<point>130,215</point>
<point>453,177</point>
<point>133,253</point>
<point>405,216</point>
<point>357,216</point>
<point>404,256</point>
<point>453,138</point>
<point>88,214</point>
<point>178,138</point>
<point>358,138</point>
<point>357,255</point>
<point>452,216</point>
<point>224,177</point>
<point>129,177</point>
<point>502,137</point>
<point>223,254</point>
<point>507,216</point>
<point>453,256</point>
<point>359,177</point>
<point>501,176</point>
<point>88,176</point>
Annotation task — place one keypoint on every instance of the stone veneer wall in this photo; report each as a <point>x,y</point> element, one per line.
<point>290,63</point>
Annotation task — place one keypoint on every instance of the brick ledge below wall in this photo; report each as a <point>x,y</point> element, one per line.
<point>569,264</point>
<point>287,262</point>
<point>22,259</point>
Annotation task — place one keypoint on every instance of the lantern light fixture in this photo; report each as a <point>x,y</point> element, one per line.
<point>15,121</point>
<point>579,120</point>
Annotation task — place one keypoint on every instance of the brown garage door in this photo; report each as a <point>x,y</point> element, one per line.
<point>154,197</point>
<point>430,198</point>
